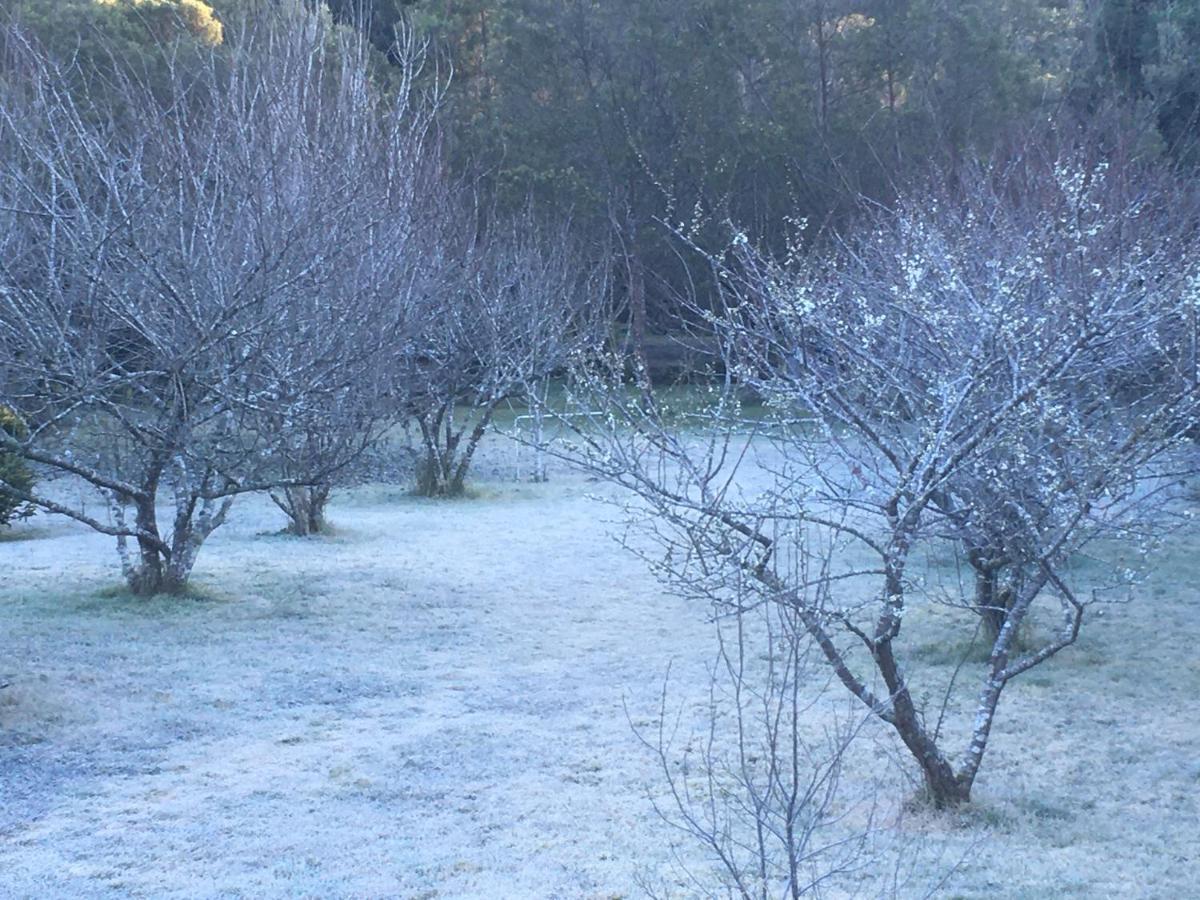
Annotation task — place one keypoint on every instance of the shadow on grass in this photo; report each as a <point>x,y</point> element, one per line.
<point>952,651</point>
<point>15,534</point>
<point>119,599</point>
<point>975,649</point>
<point>471,492</point>
<point>389,494</point>
<point>333,534</point>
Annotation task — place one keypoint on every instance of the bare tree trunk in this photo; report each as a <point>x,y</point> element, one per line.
<point>433,473</point>
<point>150,572</point>
<point>305,508</point>
<point>637,313</point>
<point>944,787</point>
<point>159,569</point>
<point>158,574</point>
<point>443,472</point>
<point>993,598</point>
<point>158,578</point>
<point>537,411</point>
<point>993,606</point>
<point>823,79</point>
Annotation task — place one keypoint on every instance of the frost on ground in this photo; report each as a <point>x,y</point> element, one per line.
<point>435,701</point>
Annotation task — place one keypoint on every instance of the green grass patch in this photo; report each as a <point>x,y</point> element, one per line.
<point>950,651</point>
<point>17,534</point>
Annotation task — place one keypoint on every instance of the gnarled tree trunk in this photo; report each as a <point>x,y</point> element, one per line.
<point>305,508</point>
<point>442,471</point>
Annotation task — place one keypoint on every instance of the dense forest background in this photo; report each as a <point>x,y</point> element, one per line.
<point>638,119</point>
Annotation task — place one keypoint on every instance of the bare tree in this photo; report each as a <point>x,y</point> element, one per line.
<point>373,305</point>
<point>760,788</point>
<point>520,302</point>
<point>188,297</point>
<point>1002,366</point>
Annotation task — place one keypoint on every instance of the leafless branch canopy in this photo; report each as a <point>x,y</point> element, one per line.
<point>201,274</point>
<point>1003,368</point>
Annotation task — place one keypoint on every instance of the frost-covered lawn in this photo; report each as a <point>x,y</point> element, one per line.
<point>435,702</point>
